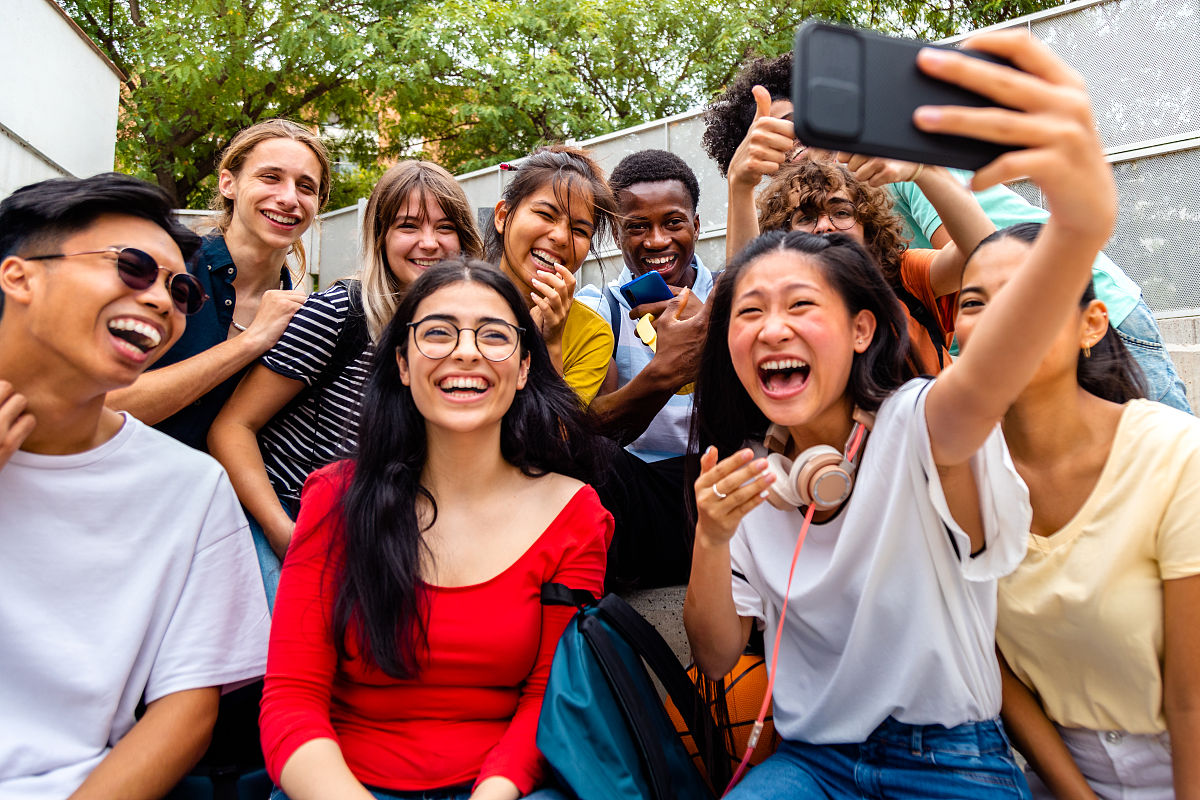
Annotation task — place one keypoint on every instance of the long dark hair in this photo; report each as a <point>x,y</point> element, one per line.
<point>566,169</point>
<point>1109,372</point>
<point>725,415</point>
<point>379,594</point>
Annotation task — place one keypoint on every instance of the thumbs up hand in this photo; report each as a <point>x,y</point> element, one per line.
<point>768,144</point>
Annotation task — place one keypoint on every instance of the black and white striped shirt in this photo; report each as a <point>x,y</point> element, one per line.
<point>318,427</point>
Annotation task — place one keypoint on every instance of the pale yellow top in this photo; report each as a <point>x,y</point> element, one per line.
<point>587,347</point>
<point>1081,619</point>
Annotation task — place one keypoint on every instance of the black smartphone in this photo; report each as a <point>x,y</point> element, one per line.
<point>856,91</point>
<point>648,288</point>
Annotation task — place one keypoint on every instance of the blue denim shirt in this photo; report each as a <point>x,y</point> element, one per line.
<point>215,269</point>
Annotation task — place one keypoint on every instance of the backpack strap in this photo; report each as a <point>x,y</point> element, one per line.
<point>924,316</point>
<point>614,311</point>
<point>641,726</point>
<point>558,594</point>
<point>352,339</point>
<point>649,644</point>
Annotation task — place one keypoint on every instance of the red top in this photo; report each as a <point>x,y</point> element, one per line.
<point>473,711</point>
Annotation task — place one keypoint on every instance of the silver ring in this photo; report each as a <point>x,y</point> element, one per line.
<point>718,492</point>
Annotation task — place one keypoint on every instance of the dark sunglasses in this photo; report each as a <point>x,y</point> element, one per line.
<point>139,271</point>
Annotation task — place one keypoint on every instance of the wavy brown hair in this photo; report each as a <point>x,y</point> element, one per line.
<point>801,189</point>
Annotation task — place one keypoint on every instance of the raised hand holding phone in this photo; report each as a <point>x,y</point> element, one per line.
<point>855,91</point>
<point>1048,115</point>
<point>1044,116</point>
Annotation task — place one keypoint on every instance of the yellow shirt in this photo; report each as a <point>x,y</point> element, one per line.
<point>1081,619</point>
<point>587,347</point>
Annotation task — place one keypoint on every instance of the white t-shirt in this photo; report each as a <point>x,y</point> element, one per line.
<point>885,618</point>
<point>125,571</point>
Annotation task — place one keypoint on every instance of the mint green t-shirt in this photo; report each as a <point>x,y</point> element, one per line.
<point>1005,207</point>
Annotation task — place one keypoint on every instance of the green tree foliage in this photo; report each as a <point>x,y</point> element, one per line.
<point>200,70</point>
<point>508,76</point>
<point>467,82</point>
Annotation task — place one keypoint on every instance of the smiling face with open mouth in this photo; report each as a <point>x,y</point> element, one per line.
<point>463,391</point>
<point>275,194</point>
<point>547,228</point>
<point>421,236</point>
<point>792,342</point>
<point>88,320</point>
<point>658,230</point>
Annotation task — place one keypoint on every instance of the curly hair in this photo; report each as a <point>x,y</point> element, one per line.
<point>651,166</point>
<point>728,117</point>
<point>801,189</point>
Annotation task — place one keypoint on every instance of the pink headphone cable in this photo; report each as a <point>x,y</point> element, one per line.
<point>851,452</point>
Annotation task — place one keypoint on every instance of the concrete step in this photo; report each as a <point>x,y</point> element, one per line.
<point>663,608</point>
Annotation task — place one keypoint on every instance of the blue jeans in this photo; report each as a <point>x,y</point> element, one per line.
<point>268,562</point>
<point>452,793</point>
<point>897,761</point>
<point>1139,332</point>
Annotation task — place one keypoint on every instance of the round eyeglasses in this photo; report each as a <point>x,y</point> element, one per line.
<point>436,337</point>
<point>841,217</point>
<point>138,270</point>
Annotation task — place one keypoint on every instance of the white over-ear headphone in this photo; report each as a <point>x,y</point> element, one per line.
<point>820,476</point>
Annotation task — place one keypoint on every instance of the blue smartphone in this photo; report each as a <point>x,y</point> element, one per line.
<point>648,288</point>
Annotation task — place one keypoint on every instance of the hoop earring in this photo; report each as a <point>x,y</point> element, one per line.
<point>1087,351</point>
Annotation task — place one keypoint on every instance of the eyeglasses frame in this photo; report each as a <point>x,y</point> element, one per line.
<point>412,326</point>
<point>187,276</point>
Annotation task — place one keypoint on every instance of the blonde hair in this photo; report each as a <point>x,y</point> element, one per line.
<point>382,292</point>
<point>234,157</point>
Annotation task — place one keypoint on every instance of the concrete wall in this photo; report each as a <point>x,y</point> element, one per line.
<point>337,244</point>
<point>58,109</point>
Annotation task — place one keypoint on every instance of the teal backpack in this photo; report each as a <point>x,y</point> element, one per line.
<point>603,727</point>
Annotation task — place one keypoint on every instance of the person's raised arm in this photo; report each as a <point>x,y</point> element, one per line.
<point>159,393</point>
<point>158,750</point>
<point>1063,155</point>
<point>762,152</point>
<point>962,216</point>
<point>551,305</point>
<point>233,440</point>
<point>725,492</point>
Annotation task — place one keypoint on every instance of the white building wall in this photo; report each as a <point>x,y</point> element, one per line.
<point>58,108</point>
